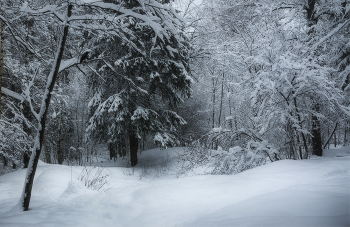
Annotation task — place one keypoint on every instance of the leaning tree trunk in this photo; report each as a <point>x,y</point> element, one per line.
<point>50,83</point>
<point>133,149</point>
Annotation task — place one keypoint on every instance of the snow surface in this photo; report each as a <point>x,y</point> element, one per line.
<point>312,192</point>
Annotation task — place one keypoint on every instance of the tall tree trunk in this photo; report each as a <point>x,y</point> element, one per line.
<point>33,163</point>
<point>221,98</point>
<point>2,35</point>
<point>316,133</point>
<point>143,141</point>
<point>82,125</point>
<point>133,149</point>
<point>59,152</point>
<point>316,129</point>
<point>345,141</point>
<point>47,152</point>
<point>26,158</point>
<point>328,139</point>
<point>230,109</point>
<point>4,159</point>
<point>77,122</point>
<point>300,150</point>
<point>299,119</point>
<point>213,117</point>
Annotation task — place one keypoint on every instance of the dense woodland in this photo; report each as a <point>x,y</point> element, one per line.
<point>250,81</point>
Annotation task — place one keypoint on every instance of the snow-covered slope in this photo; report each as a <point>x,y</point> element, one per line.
<point>312,192</point>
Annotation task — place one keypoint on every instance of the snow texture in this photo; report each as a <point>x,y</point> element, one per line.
<point>312,192</point>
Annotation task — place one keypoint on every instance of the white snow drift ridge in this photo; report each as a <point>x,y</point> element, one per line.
<point>314,192</point>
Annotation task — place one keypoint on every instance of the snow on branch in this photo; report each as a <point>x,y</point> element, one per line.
<point>333,32</point>
<point>65,64</point>
<point>20,40</point>
<point>126,78</point>
<point>48,9</point>
<point>12,94</point>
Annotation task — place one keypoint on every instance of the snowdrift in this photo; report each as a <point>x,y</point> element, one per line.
<point>312,192</point>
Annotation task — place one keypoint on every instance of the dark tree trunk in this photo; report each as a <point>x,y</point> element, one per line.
<point>28,185</point>
<point>47,151</point>
<point>316,134</point>
<point>299,119</point>
<point>316,129</point>
<point>133,149</point>
<point>59,152</point>
<point>300,150</point>
<point>4,159</point>
<point>121,146</point>
<point>2,36</point>
<point>113,147</point>
<point>214,91</point>
<point>110,148</point>
<point>221,98</point>
<point>26,158</point>
<point>144,139</point>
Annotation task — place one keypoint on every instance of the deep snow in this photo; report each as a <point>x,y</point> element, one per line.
<point>312,192</point>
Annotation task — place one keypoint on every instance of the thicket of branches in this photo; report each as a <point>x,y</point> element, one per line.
<point>267,80</point>
<point>274,71</point>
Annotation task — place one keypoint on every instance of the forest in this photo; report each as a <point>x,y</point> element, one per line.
<point>237,84</point>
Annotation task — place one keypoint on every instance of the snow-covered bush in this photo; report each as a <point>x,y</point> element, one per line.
<point>156,170</point>
<point>221,162</point>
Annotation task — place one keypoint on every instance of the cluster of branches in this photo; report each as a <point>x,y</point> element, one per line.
<point>47,43</point>
<point>275,71</point>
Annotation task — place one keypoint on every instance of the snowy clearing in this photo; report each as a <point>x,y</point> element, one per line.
<point>312,192</point>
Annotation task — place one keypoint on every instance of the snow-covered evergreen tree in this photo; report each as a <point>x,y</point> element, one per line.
<point>138,92</point>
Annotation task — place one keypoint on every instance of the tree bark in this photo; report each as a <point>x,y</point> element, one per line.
<point>4,159</point>
<point>221,98</point>
<point>213,120</point>
<point>299,119</point>
<point>27,190</point>
<point>47,152</point>
<point>2,31</point>
<point>316,133</point>
<point>300,150</point>
<point>77,122</point>
<point>316,129</point>
<point>59,152</point>
<point>26,159</point>
<point>133,149</point>
<point>345,140</point>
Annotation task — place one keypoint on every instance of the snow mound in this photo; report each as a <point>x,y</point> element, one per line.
<point>313,192</point>
<point>51,183</point>
<point>74,190</point>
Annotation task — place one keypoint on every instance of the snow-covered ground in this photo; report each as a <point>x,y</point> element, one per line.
<point>312,192</point>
